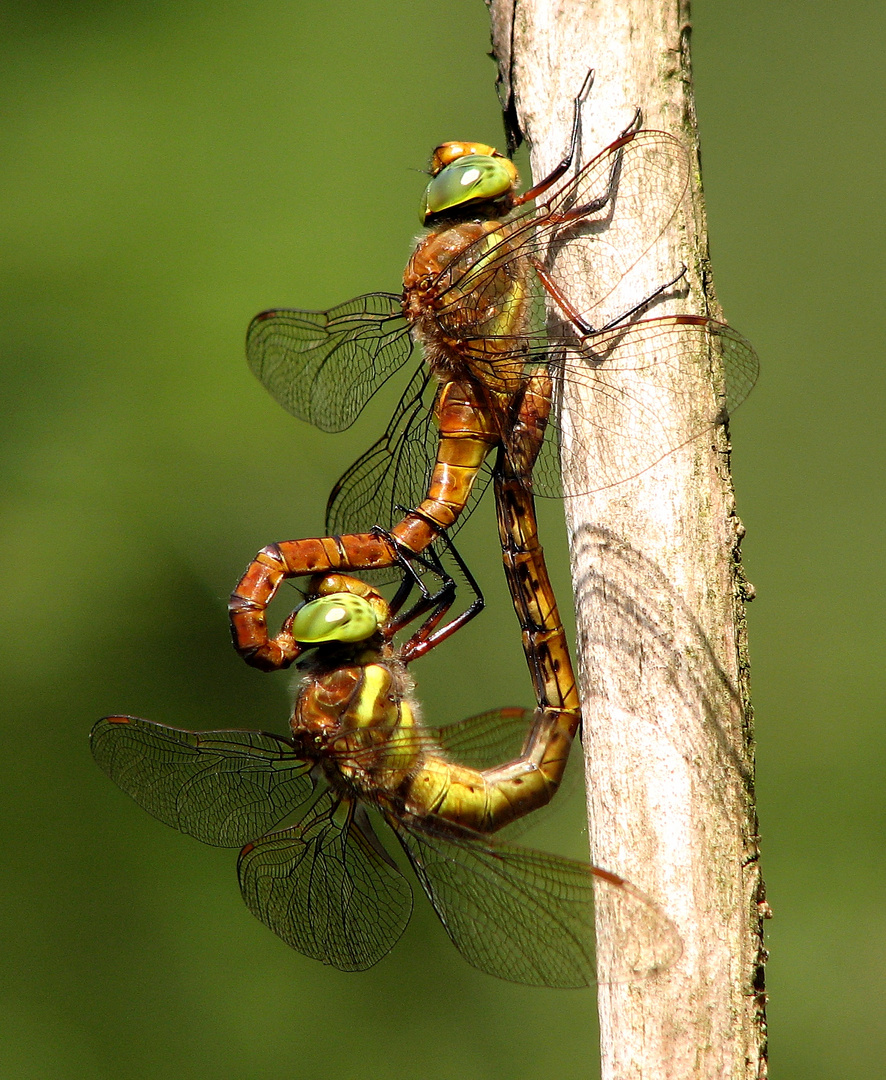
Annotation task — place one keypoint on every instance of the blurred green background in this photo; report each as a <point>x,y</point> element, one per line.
<point>168,170</point>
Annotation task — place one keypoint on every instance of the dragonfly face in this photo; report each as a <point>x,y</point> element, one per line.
<point>468,176</point>
<point>337,616</point>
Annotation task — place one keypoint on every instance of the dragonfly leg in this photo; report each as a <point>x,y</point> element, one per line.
<point>429,636</point>
<point>543,185</point>
<point>413,578</point>
<point>594,206</point>
<point>625,315</point>
<point>404,589</point>
<point>582,326</point>
<point>635,124</point>
<point>564,304</point>
<point>438,602</point>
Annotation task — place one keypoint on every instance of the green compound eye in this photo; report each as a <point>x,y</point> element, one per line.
<point>473,178</point>
<point>336,617</point>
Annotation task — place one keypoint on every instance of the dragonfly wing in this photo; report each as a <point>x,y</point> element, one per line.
<point>224,787</point>
<point>648,174</point>
<point>528,917</point>
<point>327,887</point>
<point>323,366</point>
<point>394,471</point>
<point>635,393</point>
<point>486,740</point>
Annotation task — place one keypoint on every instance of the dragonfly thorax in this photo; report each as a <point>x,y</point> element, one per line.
<point>335,697</point>
<point>462,294</point>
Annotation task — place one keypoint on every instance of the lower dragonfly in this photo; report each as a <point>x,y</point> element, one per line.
<point>326,884</point>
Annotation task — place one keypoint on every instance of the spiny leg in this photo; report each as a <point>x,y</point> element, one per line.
<point>581,325</point>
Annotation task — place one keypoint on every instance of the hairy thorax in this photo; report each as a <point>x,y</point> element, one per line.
<point>465,295</point>
<point>359,722</point>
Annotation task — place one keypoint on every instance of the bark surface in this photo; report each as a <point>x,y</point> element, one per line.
<point>659,594</point>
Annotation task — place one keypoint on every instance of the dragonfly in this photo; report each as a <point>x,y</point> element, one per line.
<point>474,300</point>
<point>358,751</point>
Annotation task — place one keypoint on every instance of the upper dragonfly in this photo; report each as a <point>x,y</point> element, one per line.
<point>474,298</point>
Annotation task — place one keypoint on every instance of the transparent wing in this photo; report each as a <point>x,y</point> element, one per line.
<point>528,917</point>
<point>394,471</point>
<point>486,740</point>
<point>635,393</point>
<point>224,787</point>
<point>327,887</point>
<point>323,366</point>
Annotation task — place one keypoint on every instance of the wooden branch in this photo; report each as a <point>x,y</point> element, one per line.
<point>659,593</point>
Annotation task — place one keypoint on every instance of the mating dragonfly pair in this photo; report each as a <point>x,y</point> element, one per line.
<point>492,381</point>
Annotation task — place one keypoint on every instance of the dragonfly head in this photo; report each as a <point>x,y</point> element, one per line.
<point>339,616</point>
<point>466,174</point>
<point>447,152</point>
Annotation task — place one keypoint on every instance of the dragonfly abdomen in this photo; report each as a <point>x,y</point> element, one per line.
<point>481,801</point>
